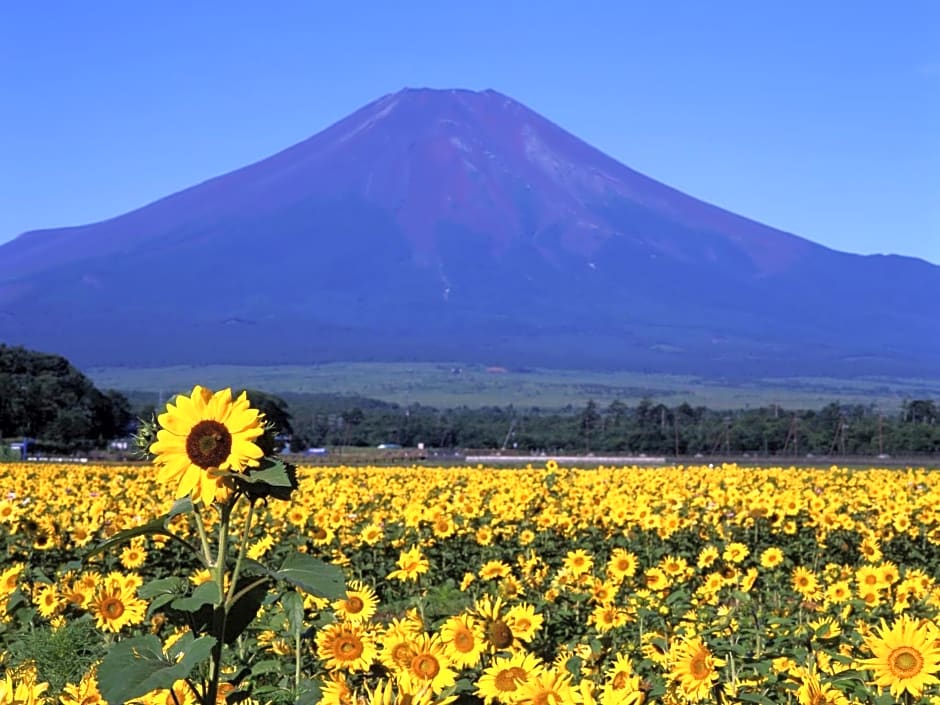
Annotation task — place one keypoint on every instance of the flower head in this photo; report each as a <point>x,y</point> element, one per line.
<point>203,434</point>
<point>906,656</point>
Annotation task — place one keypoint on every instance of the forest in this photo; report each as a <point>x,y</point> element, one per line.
<point>47,400</point>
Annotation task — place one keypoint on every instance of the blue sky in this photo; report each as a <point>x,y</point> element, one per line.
<point>822,119</point>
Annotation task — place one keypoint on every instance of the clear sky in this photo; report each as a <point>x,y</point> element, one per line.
<point>819,118</point>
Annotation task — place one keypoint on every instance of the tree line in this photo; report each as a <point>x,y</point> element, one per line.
<point>46,399</point>
<point>649,427</point>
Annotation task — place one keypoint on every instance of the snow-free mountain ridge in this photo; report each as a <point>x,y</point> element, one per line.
<point>459,225</point>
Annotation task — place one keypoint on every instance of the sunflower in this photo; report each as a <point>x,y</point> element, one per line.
<point>839,592</point>
<point>84,693</point>
<point>134,555</point>
<point>578,562</point>
<point>906,656</point>
<point>814,692</point>
<point>496,628</point>
<point>26,692</point>
<point>115,607</point>
<point>708,555</point>
<point>343,645</point>
<point>203,434</point>
<point>494,569</point>
<point>805,582</point>
<point>771,558</point>
<point>359,605</point>
<point>48,601</point>
<point>607,617</point>
<point>622,685</point>
<point>179,694</point>
<point>870,549</point>
<point>549,687</point>
<point>503,680</point>
<point>258,548</point>
<point>694,669</point>
<point>674,566</point>
<point>622,564</point>
<point>463,641</point>
<point>336,690</point>
<point>523,621</point>
<point>429,668</point>
<point>735,552</point>
<point>371,534</point>
<point>411,564</point>
<point>868,578</point>
<point>398,647</point>
<point>655,579</point>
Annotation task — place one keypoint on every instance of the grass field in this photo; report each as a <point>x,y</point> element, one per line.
<point>451,384</point>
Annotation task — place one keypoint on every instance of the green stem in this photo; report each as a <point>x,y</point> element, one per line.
<point>298,632</point>
<point>242,549</point>
<point>203,539</point>
<point>218,622</point>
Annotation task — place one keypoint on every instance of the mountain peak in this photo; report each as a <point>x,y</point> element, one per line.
<point>446,223</point>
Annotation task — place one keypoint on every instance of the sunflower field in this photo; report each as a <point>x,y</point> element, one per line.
<point>477,585</point>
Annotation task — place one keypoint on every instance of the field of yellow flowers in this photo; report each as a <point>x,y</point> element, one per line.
<point>550,586</point>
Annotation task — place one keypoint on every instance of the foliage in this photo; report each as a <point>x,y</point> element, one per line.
<point>62,655</point>
<point>649,427</point>
<point>45,398</point>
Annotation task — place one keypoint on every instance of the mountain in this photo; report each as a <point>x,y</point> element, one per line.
<point>459,225</point>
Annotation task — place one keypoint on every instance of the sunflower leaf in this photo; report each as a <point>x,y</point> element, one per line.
<point>208,593</point>
<point>308,692</point>
<point>273,478</point>
<point>313,576</point>
<point>252,592</point>
<point>293,605</point>
<point>137,666</point>
<point>154,526</point>
<point>163,586</point>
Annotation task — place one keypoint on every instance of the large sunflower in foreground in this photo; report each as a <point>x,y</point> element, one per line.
<point>203,434</point>
<point>906,656</point>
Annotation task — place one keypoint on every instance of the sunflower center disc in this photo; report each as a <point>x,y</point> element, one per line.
<point>208,444</point>
<point>112,609</point>
<point>426,666</point>
<point>500,635</point>
<point>906,661</point>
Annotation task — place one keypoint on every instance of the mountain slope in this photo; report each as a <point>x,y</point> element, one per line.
<point>461,226</point>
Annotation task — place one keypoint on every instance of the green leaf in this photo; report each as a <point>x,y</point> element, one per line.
<point>267,666</point>
<point>293,605</point>
<point>246,607</point>
<point>755,698</point>
<point>163,586</point>
<point>207,593</point>
<point>313,576</point>
<point>135,667</point>
<point>162,592</point>
<point>159,603</point>
<point>271,471</point>
<point>308,692</point>
<point>155,526</point>
<point>272,478</point>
